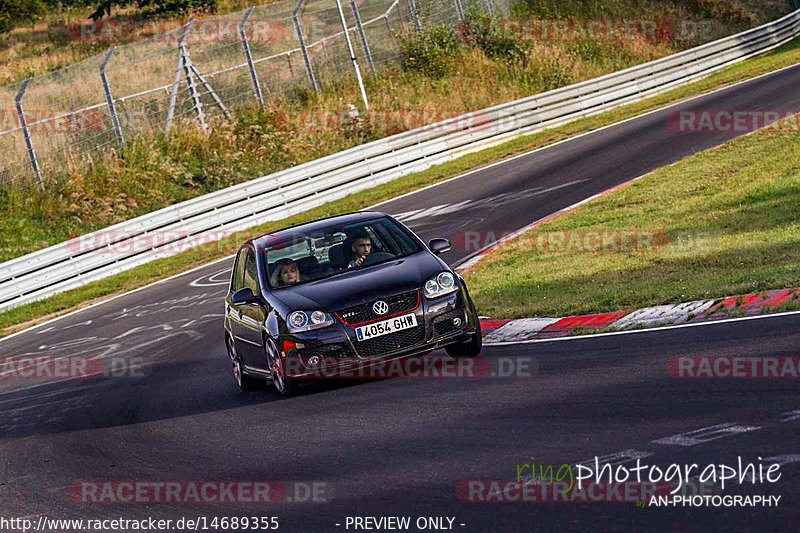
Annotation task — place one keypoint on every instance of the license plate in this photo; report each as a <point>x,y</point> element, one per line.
<point>384,327</point>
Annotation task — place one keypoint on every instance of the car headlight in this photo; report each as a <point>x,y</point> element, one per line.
<point>307,320</point>
<point>441,284</point>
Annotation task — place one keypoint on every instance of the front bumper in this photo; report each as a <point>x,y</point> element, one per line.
<point>335,350</point>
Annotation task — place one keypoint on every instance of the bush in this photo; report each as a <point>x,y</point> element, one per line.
<point>431,52</point>
<point>14,13</point>
<point>488,34</point>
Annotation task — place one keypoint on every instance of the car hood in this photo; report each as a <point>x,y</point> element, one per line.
<point>359,286</point>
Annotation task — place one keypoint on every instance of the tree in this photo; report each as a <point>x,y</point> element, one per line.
<point>16,12</point>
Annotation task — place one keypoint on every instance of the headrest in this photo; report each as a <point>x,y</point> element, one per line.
<point>307,264</point>
<point>337,255</point>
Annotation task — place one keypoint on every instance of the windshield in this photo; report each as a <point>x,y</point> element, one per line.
<point>338,249</point>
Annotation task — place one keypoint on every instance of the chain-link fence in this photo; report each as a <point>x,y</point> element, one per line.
<point>54,123</point>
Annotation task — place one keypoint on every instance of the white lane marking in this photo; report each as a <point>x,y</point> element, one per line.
<point>207,281</point>
<point>790,416</point>
<point>492,202</point>
<point>649,330</point>
<point>700,436</point>
<point>783,459</point>
<point>416,191</point>
<point>112,298</point>
<point>429,211</point>
<point>512,158</point>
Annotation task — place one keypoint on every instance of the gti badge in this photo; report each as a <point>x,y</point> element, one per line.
<point>380,307</point>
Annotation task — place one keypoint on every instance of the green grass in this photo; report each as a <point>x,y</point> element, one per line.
<point>730,213</point>
<point>11,320</point>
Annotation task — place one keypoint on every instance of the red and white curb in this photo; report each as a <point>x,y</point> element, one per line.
<point>499,331</point>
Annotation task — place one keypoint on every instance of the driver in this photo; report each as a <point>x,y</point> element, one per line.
<point>361,246</point>
<point>285,273</point>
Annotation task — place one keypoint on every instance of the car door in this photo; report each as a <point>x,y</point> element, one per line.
<point>252,318</point>
<point>235,315</point>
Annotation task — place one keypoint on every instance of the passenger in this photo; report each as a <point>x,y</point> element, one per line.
<point>285,273</point>
<point>360,246</point>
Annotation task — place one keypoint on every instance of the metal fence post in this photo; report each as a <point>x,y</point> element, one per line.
<point>296,20</point>
<point>352,55</point>
<point>249,56</point>
<point>412,6</point>
<point>177,79</point>
<point>188,69</point>
<point>490,6</point>
<point>111,108</point>
<point>459,10</point>
<point>25,132</point>
<point>362,35</point>
<point>208,88</point>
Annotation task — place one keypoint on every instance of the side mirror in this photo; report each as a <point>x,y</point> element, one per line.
<point>243,297</point>
<point>439,246</point>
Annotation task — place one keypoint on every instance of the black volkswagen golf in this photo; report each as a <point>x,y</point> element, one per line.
<point>338,293</point>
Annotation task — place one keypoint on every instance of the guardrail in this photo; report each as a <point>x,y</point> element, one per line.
<point>75,263</point>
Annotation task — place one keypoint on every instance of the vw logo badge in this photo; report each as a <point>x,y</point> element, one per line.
<point>380,307</point>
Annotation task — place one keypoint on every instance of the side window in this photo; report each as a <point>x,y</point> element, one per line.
<point>251,272</point>
<point>237,280</point>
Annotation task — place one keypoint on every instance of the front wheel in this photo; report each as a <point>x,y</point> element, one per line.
<point>245,383</point>
<point>285,385</point>
<point>471,348</point>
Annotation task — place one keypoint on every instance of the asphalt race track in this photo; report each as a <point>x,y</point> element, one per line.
<point>404,446</point>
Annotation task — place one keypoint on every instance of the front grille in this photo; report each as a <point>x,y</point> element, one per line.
<point>362,313</point>
<point>392,342</point>
<point>329,350</point>
<point>444,323</point>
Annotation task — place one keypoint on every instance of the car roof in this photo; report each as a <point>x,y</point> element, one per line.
<point>284,234</point>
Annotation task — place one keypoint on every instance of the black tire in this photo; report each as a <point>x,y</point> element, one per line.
<point>284,385</point>
<point>471,348</point>
<point>245,382</point>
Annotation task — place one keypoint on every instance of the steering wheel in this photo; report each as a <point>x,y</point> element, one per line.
<point>377,257</point>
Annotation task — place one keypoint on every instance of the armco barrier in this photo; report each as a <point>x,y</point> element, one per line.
<point>275,196</point>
